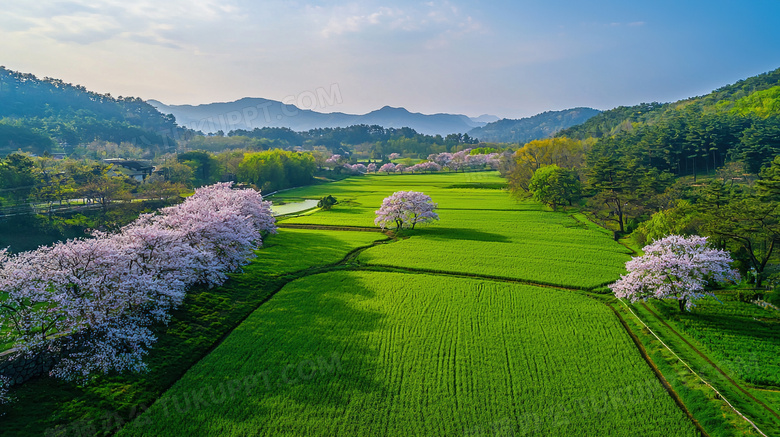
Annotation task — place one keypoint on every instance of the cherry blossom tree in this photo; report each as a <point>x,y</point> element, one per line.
<point>387,168</point>
<point>93,300</point>
<point>371,168</point>
<point>333,160</point>
<point>78,297</point>
<point>675,267</point>
<point>394,156</point>
<point>458,160</point>
<point>425,166</point>
<point>493,160</point>
<point>356,168</point>
<point>405,209</point>
<point>443,159</point>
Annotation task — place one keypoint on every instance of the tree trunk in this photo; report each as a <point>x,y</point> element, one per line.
<point>682,303</point>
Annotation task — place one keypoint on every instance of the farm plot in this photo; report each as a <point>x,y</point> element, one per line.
<point>368,353</point>
<point>743,338</point>
<point>534,246</point>
<point>207,315</point>
<point>282,253</point>
<point>454,190</point>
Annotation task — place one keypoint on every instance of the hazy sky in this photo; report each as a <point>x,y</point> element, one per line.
<point>508,58</point>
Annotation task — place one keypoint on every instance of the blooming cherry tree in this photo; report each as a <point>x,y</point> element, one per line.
<point>675,267</point>
<point>428,166</point>
<point>93,300</point>
<point>394,156</point>
<point>405,209</point>
<point>371,168</point>
<point>356,168</point>
<point>387,168</point>
<point>333,160</point>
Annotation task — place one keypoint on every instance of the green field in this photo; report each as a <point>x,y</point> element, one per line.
<point>533,246</point>
<point>206,316</point>
<point>480,324</point>
<point>744,338</point>
<point>366,353</point>
<point>482,231</point>
<point>430,354</point>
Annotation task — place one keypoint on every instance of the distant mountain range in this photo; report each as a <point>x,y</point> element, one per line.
<point>539,126</point>
<point>249,113</point>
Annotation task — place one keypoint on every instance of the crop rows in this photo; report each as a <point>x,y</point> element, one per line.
<point>360,353</point>
<point>283,253</point>
<point>207,315</point>
<point>527,245</point>
<point>545,264</point>
<point>742,337</point>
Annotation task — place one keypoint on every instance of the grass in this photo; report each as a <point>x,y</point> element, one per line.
<point>356,352</point>
<point>534,246</point>
<point>367,353</point>
<point>714,414</point>
<point>742,337</point>
<point>49,405</point>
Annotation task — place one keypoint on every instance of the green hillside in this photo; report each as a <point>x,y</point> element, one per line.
<point>739,122</point>
<point>721,100</point>
<point>526,129</point>
<point>40,115</point>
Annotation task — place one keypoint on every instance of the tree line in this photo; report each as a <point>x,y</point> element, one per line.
<point>41,115</point>
<point>371,142</point>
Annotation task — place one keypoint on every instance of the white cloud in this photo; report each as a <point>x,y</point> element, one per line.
<point>86,22</point>
<point>435,23</point>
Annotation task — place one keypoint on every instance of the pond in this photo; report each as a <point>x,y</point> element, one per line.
<point>292,208</point>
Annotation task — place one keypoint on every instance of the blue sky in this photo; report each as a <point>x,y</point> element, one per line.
<point>508,58</point>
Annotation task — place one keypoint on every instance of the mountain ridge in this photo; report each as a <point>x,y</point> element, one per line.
<point>256,112</point>
<point>539,126</point>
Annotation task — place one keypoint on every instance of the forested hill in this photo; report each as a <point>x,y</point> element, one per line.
<point>39,115</point>
<point>739,122</point>
<point>537,127</point>
<point>726,99</point>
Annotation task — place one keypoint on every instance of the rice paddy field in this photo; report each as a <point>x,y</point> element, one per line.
<point>400,342</point>
<point>374,353</point>
<point>481,231</point>
<point>744,337</point>
<point>489,322</point>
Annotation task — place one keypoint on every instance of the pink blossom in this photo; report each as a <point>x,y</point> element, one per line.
<point>356,168</point>
<point>388,168</point>
<point>333,159</point>
<point>405,209</point>
<point>94,299</point>
<point>425,166</point>
<point>675,267</point>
